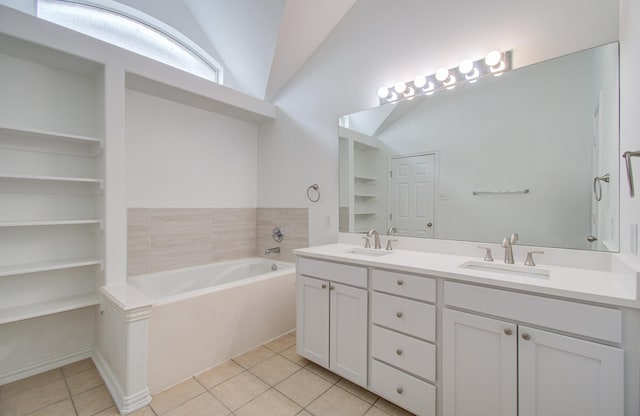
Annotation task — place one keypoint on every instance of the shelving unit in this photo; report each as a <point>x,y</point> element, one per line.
<point>50,181</point>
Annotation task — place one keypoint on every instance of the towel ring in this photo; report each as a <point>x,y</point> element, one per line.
<point>597,185</point>
<point>316,189</point>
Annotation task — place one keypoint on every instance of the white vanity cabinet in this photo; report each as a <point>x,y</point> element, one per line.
<point>403,335</point>
<point>505,367</point>
<point>331,315</point>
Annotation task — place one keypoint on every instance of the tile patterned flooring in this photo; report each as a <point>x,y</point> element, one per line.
<point>271,380</point>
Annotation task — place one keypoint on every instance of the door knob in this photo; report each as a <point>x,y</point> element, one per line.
<point>399,390</point>
<point>508,331</point>
<point>324,286</point>
<point>526,336</point>
<point>399,314</point>
<point>398,351</point>
<point>429,224</point>
<point>591,238</point>
<point>400,282</point>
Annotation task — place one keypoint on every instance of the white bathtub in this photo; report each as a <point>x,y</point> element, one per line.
<point>205,315</point>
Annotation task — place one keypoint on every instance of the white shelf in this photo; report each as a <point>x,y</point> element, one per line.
<point>47,223</point>
<point>34,310</point>
<point>364,178</point>
<point>49,178</point>
<point>15,269</point>
<point>48,135</point>
<point>365,213</point>
<point>364,196</point>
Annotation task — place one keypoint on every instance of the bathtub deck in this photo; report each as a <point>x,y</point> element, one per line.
<point>269,380</point>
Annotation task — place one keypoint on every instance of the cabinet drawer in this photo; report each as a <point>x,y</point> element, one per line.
<point>404,390</point>
<point>404,315</point>
<point>411,286</point>
<point>339,273</point>
<point>578,318</point>
<point>412,355</point>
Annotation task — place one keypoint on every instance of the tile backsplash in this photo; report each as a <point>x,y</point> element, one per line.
<point>170,238</point>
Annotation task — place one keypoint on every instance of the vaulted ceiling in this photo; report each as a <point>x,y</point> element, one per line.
<point>263,43</point>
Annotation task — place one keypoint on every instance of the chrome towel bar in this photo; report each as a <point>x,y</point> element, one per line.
<point>524,191</point>
<point>627,158</point>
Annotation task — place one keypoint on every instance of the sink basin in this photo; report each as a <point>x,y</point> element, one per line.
<point>507,269</point>
<point>368,252</point>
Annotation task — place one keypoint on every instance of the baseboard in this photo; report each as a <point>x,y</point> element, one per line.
<point>43,366</point>
<point>125,404</point>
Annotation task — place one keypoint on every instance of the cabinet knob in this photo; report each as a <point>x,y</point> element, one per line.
<point>399,351</point>
<point>508,331</point>
<point>399,314</point>
<point>399,390</point>
<point>400,282</point>
<point>331,287</point>
<point>324,286</point>
<point>526,336</point>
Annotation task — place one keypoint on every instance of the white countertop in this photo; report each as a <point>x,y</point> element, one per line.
<point>608,287</point>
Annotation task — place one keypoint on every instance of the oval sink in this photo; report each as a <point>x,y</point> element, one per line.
<point>507,269</point>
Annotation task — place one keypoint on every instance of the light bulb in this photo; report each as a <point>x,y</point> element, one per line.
<point>466,66</point>
<point>420,81</point>
<point>442,74</point>
<point>383,92</point>
<point>493,58</point>
<point>400,87</point>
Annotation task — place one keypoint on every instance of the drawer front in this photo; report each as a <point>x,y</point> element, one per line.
<point>404,390</point>
<point>412,355</point>
<point>404,315</point>
<point>336,272</point>
<point>411,286</point>
<point>578,318</point>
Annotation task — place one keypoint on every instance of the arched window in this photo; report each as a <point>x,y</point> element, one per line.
<point>131,29</point>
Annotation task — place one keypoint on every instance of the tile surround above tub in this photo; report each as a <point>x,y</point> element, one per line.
<point>161,239</point>
<point>295,224</point>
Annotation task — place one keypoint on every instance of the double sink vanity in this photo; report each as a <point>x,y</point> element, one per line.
<point>447,334</point>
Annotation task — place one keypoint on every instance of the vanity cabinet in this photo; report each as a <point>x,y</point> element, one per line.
<point>499,367</point>
<point>331,315</point>
<point>403,335</point>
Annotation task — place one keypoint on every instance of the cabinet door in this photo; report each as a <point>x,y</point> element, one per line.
<point>479,368</point>
<point>312,320</point>
<point>562,376</point>
<point>348,333</point>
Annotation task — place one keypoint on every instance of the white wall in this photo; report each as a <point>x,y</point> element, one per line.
<point>379,42</point>
<point>182,157</point>
<point>629,120</point>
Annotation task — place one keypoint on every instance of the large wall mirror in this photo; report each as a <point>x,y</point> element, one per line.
<point>533,151</point>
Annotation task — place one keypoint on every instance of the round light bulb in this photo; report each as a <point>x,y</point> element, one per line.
<point>400,87</point>
<point>420,81</point>
<point>442,74</point>
<point>493,58</point>
<point>466,66</point>
<point>383,92</point>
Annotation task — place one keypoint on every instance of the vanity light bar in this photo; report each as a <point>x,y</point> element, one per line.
<point>495,63</point>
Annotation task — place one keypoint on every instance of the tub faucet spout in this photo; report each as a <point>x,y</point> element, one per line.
<point>272,250</point>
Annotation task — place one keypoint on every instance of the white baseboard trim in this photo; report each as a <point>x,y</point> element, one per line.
<point>125,404</point>
<point>43,366</point>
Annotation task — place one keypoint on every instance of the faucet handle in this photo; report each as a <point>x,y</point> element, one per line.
<point>514,238</point>
<point>529,261</point>
<point>389,248</point>
<point>506,242</point>
<point>367,243</point>
<point>487,253</point>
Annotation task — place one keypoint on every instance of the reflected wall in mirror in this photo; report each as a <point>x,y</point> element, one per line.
<point>528,152</point>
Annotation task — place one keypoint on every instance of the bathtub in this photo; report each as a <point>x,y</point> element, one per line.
<point>205,315</point>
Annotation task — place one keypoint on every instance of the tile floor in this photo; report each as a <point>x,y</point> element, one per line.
<point>271,380</point>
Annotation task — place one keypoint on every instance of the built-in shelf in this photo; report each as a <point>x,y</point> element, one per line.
<point>49,178</point>
<point>364,196</point>
<point>19,313</point>
<point>48,135</point>
<point>48,223</point>
<point>15,269</point>
<point>365,213</point>
<point>364,178</point>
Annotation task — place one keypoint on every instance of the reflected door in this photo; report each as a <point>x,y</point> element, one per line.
<point>411,193</point>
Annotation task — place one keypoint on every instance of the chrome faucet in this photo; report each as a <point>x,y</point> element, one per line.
<point>374,233</point>
<point>508,243</point>
<point>392,231</point>
<point>272,250</point>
